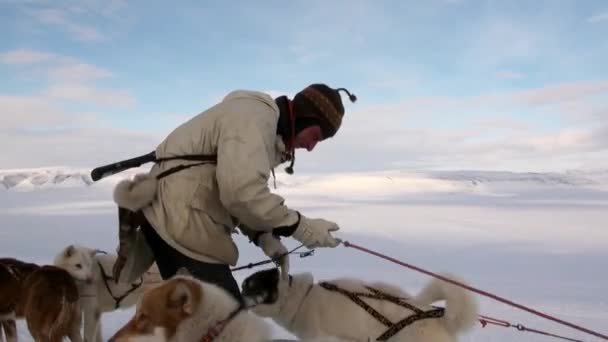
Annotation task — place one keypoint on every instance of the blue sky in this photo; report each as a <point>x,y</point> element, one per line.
<point>516,85</point>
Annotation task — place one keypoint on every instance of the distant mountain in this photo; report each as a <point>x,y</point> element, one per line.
<point>434,181</point>
<point>49,177</point>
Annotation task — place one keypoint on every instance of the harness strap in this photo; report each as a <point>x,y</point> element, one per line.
<point>216,330</point>
<point>118,299</point>
<point>392,331</point>
<point>354,296</point>
<point>178,168</point>
<point>396,300</point>
<point>210,158</point>
<point>393,328</point>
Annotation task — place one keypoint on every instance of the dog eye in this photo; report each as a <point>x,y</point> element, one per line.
<point>78,266</point>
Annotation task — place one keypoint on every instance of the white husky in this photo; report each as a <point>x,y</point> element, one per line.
<point>99,292</point>
<point>184,309</point>
<point>353,310</point>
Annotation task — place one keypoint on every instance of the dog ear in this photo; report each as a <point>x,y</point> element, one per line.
<point>181,299</point>
<point>69,251</point>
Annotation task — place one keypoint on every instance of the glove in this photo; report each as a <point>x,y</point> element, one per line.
<point>273,248</point>
<point>314,233</point>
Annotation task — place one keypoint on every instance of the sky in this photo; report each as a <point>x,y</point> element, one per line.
<point>442,84</point>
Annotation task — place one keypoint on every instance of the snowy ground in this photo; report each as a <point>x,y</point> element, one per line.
<point>537,239</point>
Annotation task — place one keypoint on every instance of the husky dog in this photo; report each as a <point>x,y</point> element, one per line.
<point>99,291</point>
<point>353,310</point>
<point>45,296</point>
<point>189,310</point>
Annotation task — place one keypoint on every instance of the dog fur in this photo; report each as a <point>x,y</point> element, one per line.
<point>186,308</point>
<point>307,310</point>
<point>84,264</point>
<point>137,193</point>
<point>159,335</point>
<point>45,296</point>
<point>13,273</point>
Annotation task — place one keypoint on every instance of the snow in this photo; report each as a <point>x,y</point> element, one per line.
<point>539,239</point>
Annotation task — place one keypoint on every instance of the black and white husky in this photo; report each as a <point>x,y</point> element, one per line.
<point>353,310</point>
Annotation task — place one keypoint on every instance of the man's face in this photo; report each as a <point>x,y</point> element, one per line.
<point>309,137</point>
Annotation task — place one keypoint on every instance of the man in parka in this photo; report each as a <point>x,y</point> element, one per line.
<point>191,214</point>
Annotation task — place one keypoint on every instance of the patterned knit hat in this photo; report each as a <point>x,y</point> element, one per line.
<point>320,104</point>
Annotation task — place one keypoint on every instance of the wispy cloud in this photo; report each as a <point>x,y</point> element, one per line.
<point>57,67</point>
<point>472,132</point>
<point>80,20</point>
<point>564,140</point>
<point>61,19</point>
<point>89,94</point>
<point>25,111</point>
<point>25,56</point>
<point>510,75</point>
<point>504,40</point>
<point>69,79</point>
<point>596,18</point>
<point>77,72</point>
<point>48,117</point>
<point>83,142</point>
<point>559,93</point>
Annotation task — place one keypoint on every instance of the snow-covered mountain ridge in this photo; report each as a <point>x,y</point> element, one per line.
<point>435,181</point>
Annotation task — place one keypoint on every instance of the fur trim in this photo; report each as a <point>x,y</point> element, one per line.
<point>137,193</point>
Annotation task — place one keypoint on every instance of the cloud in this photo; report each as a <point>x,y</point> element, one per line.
<point>69,80</point>
<point>501,123</point>
<point>86,145</point>
<point>61,18</point>
<point>78,72</point>
<point>25,56</point>
<point>57,67</point>
<point>564,140</point>
<point>25,111</point>
<point>559,93</point>
<point>40,132</point>
<point>80,20</point>
<point>600,17</point>
<point>487,131</point>
<point>93,95</point>
<point>477,132</point>
<point>489,46</point>
<point>510,75</point>
<point>47,128</point>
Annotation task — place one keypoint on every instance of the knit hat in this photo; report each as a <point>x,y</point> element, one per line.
<point>322,105</point>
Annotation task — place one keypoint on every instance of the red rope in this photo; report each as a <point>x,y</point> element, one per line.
<point>485,320</point>
<point>481,292</point>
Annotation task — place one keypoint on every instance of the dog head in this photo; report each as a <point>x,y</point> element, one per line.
<point>265,291</point>
<point>164,306</point>
<point>78,261</point>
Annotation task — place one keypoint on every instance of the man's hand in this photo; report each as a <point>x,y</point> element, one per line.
<point>273,248</point>
<point>314,233</point>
